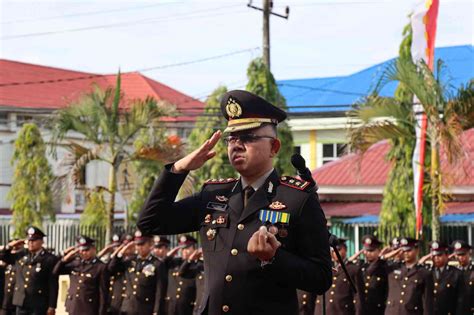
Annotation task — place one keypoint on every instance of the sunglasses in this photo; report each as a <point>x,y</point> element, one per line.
<point>244,139</point>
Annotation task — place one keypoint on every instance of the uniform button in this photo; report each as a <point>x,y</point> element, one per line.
<point>367,284</point>
<point>304,296</point>
<point>304,302</point>
<point>333,285</point>
<point>147,299</point>
<point>388,302</point>
<point>332,292</point>
<point>404,285</point>
<point>134,292</point>
<point>200,277</point>
<point>225,308</point>
<point>113,297</point>
<point>331,300</point>
<point>177,296</point>
<point>434,291</point>
<point>80,281</point>
<point>436,284</point>
<point>178,289</point>
<point>134,286</point>
<point>334,278</point>
<point>26,286</point>
<point>28,279</point>
<point>181,283</point>
<point>90,300</point>
<point>403,293</point>
<point>240,227</point>
<point>228,278</point>
<point>401,301</point>
<point>136,279</point>
<point>234,252</point>
<point>39,291</point>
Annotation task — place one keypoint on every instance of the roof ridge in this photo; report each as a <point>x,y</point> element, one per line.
<point>48,67</point>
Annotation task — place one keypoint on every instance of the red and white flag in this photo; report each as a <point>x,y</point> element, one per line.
<point>423,23</point>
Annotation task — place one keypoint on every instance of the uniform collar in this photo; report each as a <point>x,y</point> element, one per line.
<point>258,183</point>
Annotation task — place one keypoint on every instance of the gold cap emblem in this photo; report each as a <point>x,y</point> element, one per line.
<point>233,108</point>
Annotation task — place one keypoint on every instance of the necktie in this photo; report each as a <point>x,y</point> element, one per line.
<point>248,192</point>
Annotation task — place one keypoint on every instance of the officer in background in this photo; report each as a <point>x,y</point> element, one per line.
<point>462,251</point>
<point>7,307</point>
<point>181,292</point>
<point>193,267</point>
<point>263,236</point>
<point>373,278</point>
<point>104,254</point>
<point>36,289</point>
<point>341,298</point>
<point>448,282</point>
<point>161,247</point>
<point>116,279</point>
<point>87,279</point>
<point>410,285</point>
<point>306,302</point>
<point>143,272</point>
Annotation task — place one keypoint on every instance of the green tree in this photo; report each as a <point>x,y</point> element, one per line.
<point>379,118</point>
<point>262,83</point>
<point>108,127</point>
<point>31,192</point>
<point>210,121</point>
<point>95,210</point>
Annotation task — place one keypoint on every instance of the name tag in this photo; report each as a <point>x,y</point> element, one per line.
<point>217,206</point>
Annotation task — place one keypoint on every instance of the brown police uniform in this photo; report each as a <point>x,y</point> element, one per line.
<point>341,298</point>
<point>410,291</point>
<point>467,306</point>
<point>7,307</point>
<point>306,302</point>
<point>141,285</point>
<point>35,289</point>
<point>88,283</point>
<point>448,284</point>
<point>236,282</point>
<point>195,270</point>
<point>115,291</point>
<point>181,292</point>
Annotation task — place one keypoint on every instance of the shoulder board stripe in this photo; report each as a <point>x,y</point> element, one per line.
<point>220,181</point>
<point>294,182</point>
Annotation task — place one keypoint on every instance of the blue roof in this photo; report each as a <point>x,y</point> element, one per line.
<point>447,218</point>
<point>339,93</point>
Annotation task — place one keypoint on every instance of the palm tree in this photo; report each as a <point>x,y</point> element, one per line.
<point>107,131</point>
<point>379,118</point>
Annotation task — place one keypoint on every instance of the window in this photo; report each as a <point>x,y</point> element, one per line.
<point>332,151</point>
<point>22,119</point>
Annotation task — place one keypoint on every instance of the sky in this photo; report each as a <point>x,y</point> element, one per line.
<point>195,46</point>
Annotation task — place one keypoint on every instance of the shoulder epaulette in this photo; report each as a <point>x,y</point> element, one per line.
<point>220,181</point>
<point>294,182</point>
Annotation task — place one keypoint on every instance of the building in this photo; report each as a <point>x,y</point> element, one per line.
<point>31,92</point>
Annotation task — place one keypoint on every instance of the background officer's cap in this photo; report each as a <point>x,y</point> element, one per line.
<point>187,240</point>
<point>341,242</point>
<point>33,233</point>
<point>461,247</point>
<point>141,238</point>
<point>161,241</point>
<point>395,243</point>
<point>438,248</point>
<point>126,238</point>
<point>85,242</point>
<point>408,243</point>
<point>370,242</point>
<point>245,110</point>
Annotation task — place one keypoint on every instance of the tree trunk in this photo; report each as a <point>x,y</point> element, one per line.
<point>435,189</point>
<point>111,204</point>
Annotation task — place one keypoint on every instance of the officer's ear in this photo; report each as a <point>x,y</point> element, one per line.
<point>276,145</point>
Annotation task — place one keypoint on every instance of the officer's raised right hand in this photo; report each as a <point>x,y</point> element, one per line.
<point>70,255</point>
<point>198,157</point>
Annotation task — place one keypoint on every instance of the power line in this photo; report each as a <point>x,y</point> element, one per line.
<point>322,89</point>
<point>188,15</point>
<point>86,77</point>
<point>89,13</point>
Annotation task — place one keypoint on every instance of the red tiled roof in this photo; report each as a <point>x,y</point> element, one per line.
<point>355,209</point>
<point>55,95</point>
<point>372,168</point>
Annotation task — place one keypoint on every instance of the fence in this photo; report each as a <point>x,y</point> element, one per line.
<point>61,235</point>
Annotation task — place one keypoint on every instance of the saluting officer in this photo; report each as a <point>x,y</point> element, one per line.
<point>141,285</point>
<point>410,285</point>
<point>462,251</point>
<point>181,292</point>
<point>117,278</point>
<point>448,282</point>
<point>193,268</point>
<point>161,247</point>
<point>373,279</point>
<point>7,307</point>
<point>36,290</point>
<point>341,298</point>
<point>87,279</point>
<point>263,236</point>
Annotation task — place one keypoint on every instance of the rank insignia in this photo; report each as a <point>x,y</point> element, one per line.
<point>277,205</point>
<point>208,219</point>
<point>221,219</point>
<point>211,234</point>
<point>294,182</point>
<point>274,216</point>
<point>222,198</point>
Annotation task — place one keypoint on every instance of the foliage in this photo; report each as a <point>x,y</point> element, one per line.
<point>206,125</point>
<point>95,210</point>
<point>262,83</point>
<point>30,192</point>
<point>108,125</point>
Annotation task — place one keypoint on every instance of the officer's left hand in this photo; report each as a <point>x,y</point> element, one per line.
<point>263,244</point>
<point>51,311</point>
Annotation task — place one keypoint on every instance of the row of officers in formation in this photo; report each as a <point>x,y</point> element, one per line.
<point>141,274</point>
<point>392,280</point>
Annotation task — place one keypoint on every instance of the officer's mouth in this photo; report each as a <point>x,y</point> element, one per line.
<point>238,158</point>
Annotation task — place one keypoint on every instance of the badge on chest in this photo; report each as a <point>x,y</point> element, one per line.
<point>276,221</point>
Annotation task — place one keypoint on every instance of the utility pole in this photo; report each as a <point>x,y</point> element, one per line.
<point>267,10</point>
